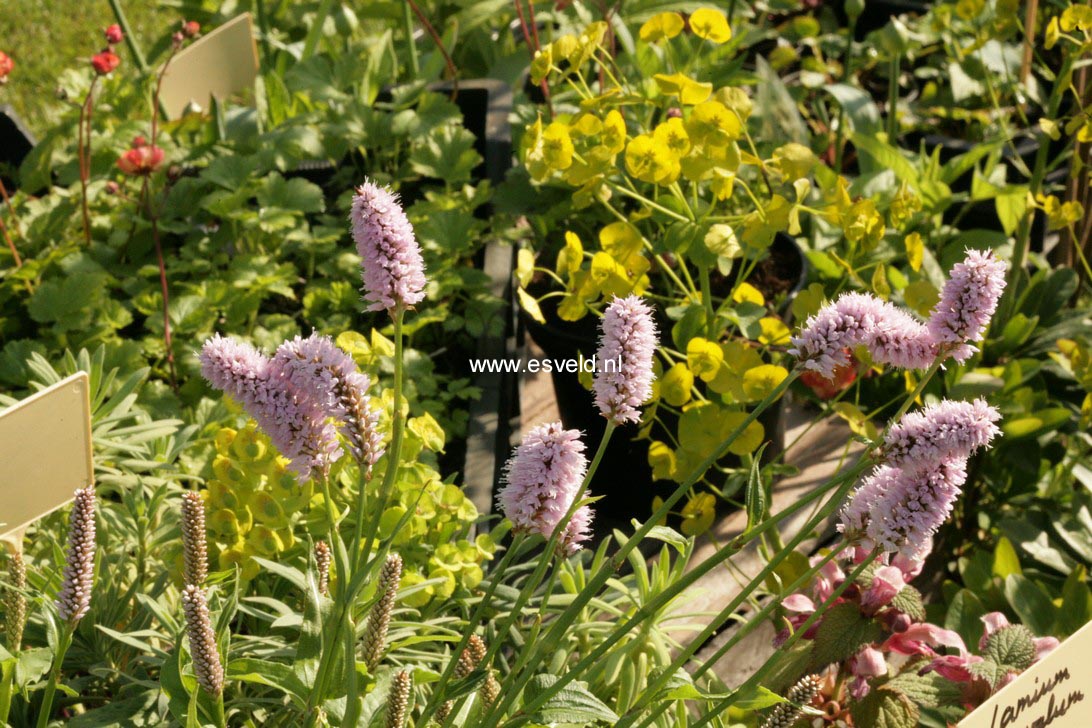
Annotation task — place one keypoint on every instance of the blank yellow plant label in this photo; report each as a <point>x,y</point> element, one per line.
<point>45,451</point>
<point>1056,692</point>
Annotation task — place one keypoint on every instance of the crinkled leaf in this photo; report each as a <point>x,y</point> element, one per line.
<point>842,633</point>
<point>574,703</point>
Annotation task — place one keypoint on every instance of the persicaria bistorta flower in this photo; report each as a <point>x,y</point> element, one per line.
<point>320,371</point>
<point>6,67</point>
<point>891,335</point>
<point>105,62</point>
<point>207,667</point>
<point>77,579</point>
<point>940,432</point>
<point>141,158</point>
<point>542,479</point>
<point>296,425</point>
<point>967,303</point>
<point>627,343</point>
<point>904,519</point>
<point>391,266</point>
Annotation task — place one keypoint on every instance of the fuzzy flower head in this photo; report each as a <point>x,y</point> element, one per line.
<point>623,381</point>
<point>318,370</point>
<point>891,335</point>
<point>391,265</point>
<point>207,667</point>
<point>296,425</point>
<point>939,432</point>
<point>968,302</point>
<point>858,510</point>
<point>542,479</point>
<point>904,520</point>
<point>74,599</point>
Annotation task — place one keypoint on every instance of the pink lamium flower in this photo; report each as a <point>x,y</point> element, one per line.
<point>867,663</point>
<point>623,381</point>
<point>542,479</point>
<point>967,303</point>
<point>916,503</point>
<point>320,371</point>
<point>296,425</point>
<point>391,265</point>
<point>945,430</point>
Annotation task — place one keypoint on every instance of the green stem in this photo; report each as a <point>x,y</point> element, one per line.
<point>893,100</point>
<point>546,558</point>
<point>407,20</point>
<point>438,695</point>
<point>616,562</point>
<point>130,40</point>
<point>314,35</point>
<point>64,641</point>
<point>707,300</point>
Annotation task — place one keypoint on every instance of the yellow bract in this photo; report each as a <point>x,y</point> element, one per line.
<point>711,25</point>
<point>620,239</point>
<point>661,27</point>
<point>915,250</point>
<point>794,160</point>
<point>773,331</point>
<point>571,256</point>
<point>651,161</point>
<point>673,135</point>
<point>747,292</point>
<point>698,514</point>
<point>688,90</point>
<point>704,358</point>
<point>759,381</point>
<point>676,384</point>
<point>661,458</point>
<point>713,123</point>
<point>614,132</point>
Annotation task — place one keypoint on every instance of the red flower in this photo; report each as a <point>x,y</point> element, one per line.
<point>105,62</point>
<point>191,28</point>
<point>6,64</point>
<point>113,34</point>
<point>142,159</point>
<point>829,388</point>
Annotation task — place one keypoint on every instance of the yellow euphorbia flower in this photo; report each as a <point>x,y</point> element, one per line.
<point>676,384</point>
<point>672,134</point>
<point>659,27</point>
<point>698,514</point>
<point>704,357</point>
<point>661,458</point>
<point>688,90</point>
<point>710,24</point>
<point>651,161</point>
<point>713,123</point>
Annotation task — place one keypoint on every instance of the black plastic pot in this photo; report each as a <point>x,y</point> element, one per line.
<point>624,477</point>
<point>16,141</point>
<point>877,14</point>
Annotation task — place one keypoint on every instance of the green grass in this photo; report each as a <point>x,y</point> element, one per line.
<point>46,36</point>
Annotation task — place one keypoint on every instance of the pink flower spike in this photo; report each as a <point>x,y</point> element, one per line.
<point>542,479</point>
<point>967,303</point>
<point>948,429</point>
<point>296,425</point>
<point>391,265</point>
<point>904,520</point>
<point>628,341</point>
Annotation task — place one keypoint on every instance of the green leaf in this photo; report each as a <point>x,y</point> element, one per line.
<point>272,674</point>
<point>1011,208</point>
<point>574,703</point>
<point>989,671</point>
<point>909,602</point>
<point>1076,608</point>
<point>930,689</point>
<point>859,107</point>
<point>294,194</point>
<point>886,156</point>
<point>757,506</point>
<point>756,698</point>
<point>664,533</point>
<point>885,708</point>
<point>841,634</point>
<point>142,710</point>
<point>447,153</point>
<point>1005,560</point>
<point>965,616</point>
<point>1031,603</point>
<point>1011,646</point>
